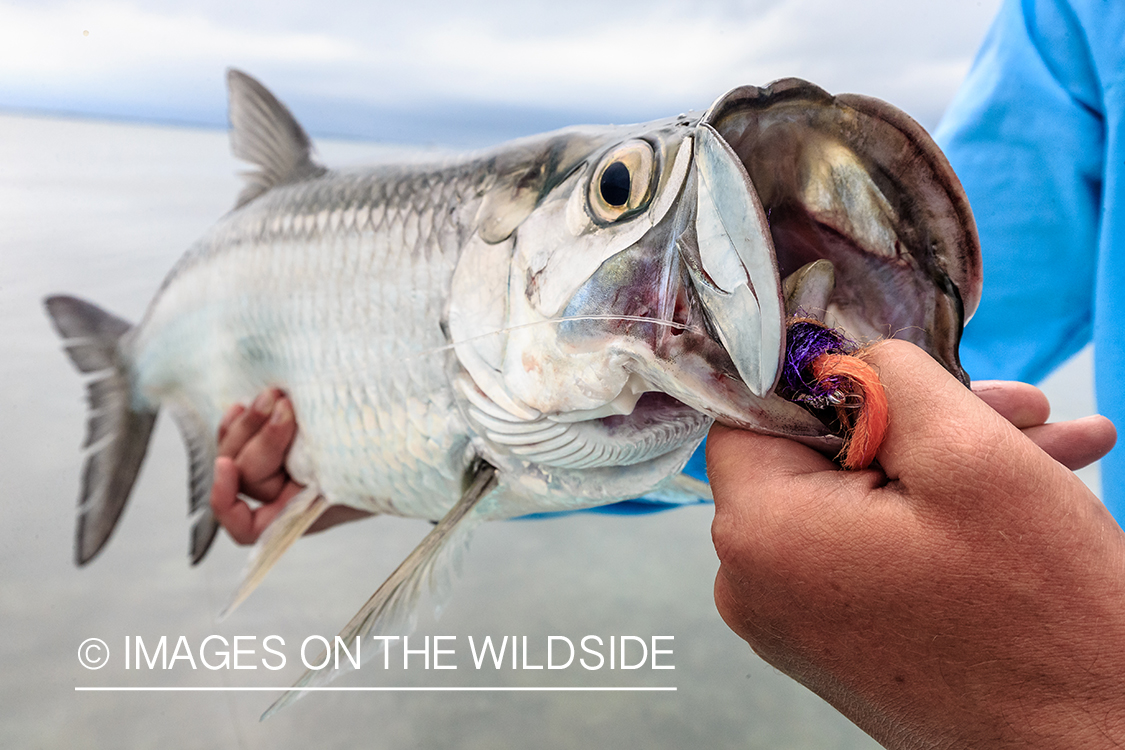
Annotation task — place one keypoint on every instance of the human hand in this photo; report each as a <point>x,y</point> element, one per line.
<point>970,593</point>
<point>253,445</point>
<point>1074,444</point>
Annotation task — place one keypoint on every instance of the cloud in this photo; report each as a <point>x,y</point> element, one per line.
<point>100,38</point>
<point>628,60</point>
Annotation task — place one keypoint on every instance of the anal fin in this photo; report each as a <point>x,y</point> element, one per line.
<point>391,607</point>
<point>300,513</point>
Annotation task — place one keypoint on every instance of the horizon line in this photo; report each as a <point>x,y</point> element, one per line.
<point>403,689</point>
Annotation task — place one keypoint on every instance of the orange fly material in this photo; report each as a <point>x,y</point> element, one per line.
<point>869,420</point>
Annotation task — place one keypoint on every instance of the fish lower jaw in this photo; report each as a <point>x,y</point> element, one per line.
<point>641,426</point>
<point>622,404</point>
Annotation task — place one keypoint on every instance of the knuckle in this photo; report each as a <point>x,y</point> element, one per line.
<point>724,539</point>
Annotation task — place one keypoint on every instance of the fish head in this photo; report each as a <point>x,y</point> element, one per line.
<point>530,313</point>
<point>635,274</point>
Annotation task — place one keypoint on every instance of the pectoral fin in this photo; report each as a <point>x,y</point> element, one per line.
<point>301,513</point>
<point>680,489</point>
<point>389,610</point>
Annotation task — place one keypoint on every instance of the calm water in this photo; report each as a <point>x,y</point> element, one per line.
<point>102,211</point>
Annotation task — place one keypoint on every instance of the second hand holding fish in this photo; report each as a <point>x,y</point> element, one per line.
<point>253,444</point>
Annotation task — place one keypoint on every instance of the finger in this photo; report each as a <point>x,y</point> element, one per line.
<point>243,523</point>
<point>933,418</point>
<point>1076,443</point>
<point>234,514</point>
<point>230,416</point>
<point>1021,404</point>
<point>263,515</point>
<point>740,458</point>
<point>263,455</point>
<point>267,490</point>
<point>936,425</point>
<point>243,426</point>
<point>770,490</point>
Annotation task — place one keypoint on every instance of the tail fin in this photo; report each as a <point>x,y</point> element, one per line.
<point>116,435</point>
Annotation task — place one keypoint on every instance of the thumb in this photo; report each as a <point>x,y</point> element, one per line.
<point>940,434</point>
<point>740,457</point>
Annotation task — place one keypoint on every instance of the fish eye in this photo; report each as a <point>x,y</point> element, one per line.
<point>615,184</point>
<point>622,182</point>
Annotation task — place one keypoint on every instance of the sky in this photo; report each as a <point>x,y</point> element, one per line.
<point>459,73</point>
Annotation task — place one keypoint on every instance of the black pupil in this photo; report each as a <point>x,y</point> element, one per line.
<point>615,184</point>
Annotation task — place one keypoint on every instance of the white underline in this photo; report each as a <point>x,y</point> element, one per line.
<point>378,689</point>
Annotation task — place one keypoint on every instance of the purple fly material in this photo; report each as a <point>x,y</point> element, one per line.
<point>806,340</point>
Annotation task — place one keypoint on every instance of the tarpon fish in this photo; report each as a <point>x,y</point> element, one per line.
<point>549,325</point>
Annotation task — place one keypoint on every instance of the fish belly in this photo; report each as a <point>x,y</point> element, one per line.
<point>339,303</point>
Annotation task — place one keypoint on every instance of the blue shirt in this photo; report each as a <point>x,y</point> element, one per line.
<point>1037,138</point>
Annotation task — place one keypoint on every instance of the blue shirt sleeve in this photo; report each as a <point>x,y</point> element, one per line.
<point>1026,136</point>
<point>1037,135</point>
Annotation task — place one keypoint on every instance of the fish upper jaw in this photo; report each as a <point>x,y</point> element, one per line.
<point>730,258</point>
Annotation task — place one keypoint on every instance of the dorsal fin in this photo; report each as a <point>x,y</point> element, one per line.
<point>264,133</point>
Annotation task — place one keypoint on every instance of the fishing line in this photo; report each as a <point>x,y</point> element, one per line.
<point>823,370</point>
<point>339,373</point>
<point>567,319</point>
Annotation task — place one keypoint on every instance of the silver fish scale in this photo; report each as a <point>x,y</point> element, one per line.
<point>333,290</point>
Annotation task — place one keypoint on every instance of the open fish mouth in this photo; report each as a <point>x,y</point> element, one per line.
<point>854,181</point>
<point>670,257</point>
<point>798,204</point>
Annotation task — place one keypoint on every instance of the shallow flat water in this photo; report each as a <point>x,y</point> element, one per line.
<point>103,211</point>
